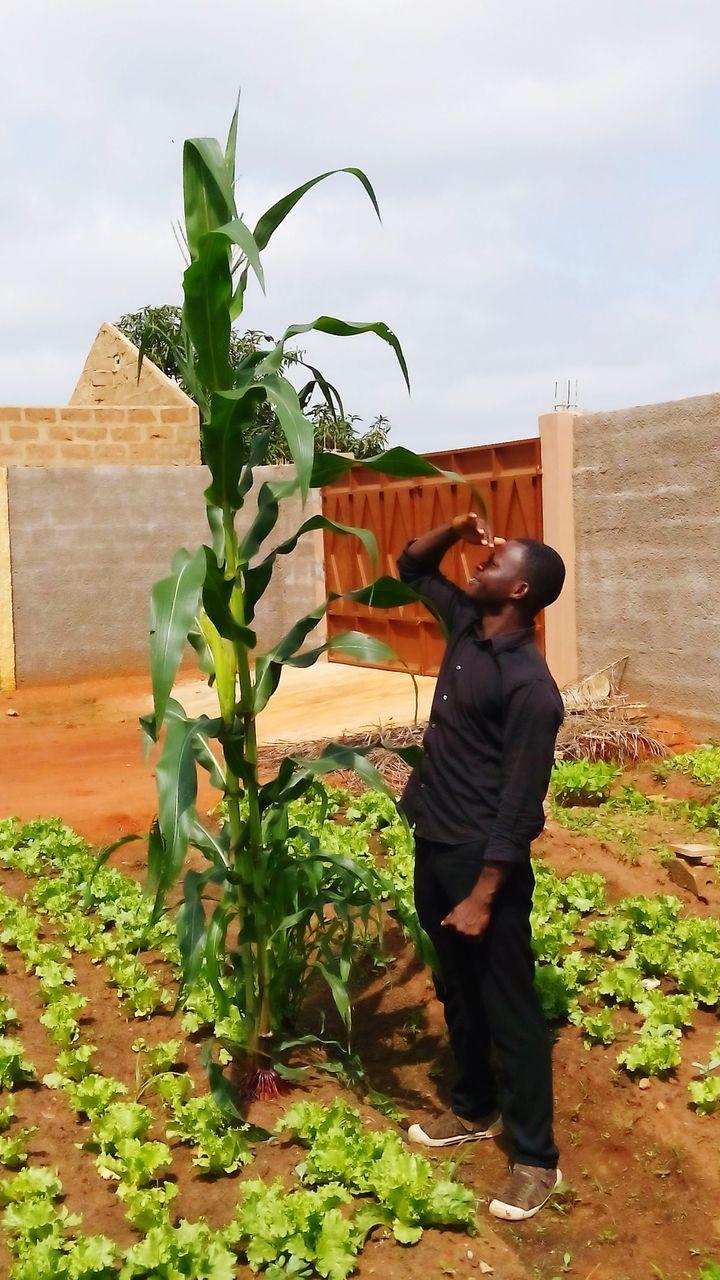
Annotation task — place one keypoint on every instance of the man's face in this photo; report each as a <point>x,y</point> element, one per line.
<point>500,578</point>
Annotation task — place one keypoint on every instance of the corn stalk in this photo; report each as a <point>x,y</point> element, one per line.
<point>255,922</point>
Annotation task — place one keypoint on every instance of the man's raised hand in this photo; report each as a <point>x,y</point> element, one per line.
<point>471,529</point>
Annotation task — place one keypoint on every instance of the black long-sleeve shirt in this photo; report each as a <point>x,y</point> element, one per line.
<point>489,745</point>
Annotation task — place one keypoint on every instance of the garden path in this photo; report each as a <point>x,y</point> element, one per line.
<point>74,749</point>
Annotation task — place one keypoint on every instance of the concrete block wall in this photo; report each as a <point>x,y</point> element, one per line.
<point>82,435</point>
<point>647,543</point>
<point>87,544</point>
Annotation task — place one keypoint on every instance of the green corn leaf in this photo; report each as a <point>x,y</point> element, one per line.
<point>191,926</point>
<point>404,463</point>
<point>207,289</point>
<point>174,604</point>
<point>257,578</point>
<point>219,1087</point>
<point>337,757</point>
<point>236,232</point>
<point>155,864</point>
<point>215,954</point>
<point>176,775</point>
<point>102,859</point>
<point>296,428</point>
<point>257,533</point>
<point>231,144</point>
<point>225,449</point>
<point>397,461</point>
<point>383,593</point>
<point>338,990</point>
<point>216,596</point>
<point>361,647</point>
<point>208,190</point>
<point>346,329</point>
<point>299,632</point>
<point>208,761</point>
<point>328,467</point>
<point>215,524</point>
<point>271,219</point>
<point>330,393</point>
<point>215,845</point>
<point>256,458</point>
<point>198,642</point>
<point>266,517</point>
<point>352,644</point>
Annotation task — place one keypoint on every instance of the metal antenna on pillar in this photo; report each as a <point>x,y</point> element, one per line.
<point>564,405</point>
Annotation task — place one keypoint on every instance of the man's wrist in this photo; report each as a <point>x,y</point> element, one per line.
<point>489,881</point>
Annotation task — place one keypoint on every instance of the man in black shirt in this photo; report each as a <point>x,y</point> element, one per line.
<point>476,803</point>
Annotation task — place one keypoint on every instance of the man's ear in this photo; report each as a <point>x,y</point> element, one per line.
<point>520,590</point>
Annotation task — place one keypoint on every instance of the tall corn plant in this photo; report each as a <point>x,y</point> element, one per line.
<point>270,906</point>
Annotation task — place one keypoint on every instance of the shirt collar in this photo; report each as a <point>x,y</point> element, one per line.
<point>509,641</point>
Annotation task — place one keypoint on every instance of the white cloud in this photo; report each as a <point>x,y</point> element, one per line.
<point>546,175</point>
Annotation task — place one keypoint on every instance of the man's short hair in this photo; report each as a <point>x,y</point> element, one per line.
<point>545,572</point>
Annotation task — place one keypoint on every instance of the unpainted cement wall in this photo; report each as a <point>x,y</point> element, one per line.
<point>646,485</point>
<point>87,544</point>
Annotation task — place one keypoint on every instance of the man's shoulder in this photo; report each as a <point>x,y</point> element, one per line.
<point>533,675</point>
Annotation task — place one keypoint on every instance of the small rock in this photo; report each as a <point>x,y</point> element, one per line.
<point>470,1254</point>
<point>705,854</point>
<point>660,1106</point>
<point>643,1084</point>
<point>11,711</point>
<point>698,880</point>
<point>486,1269</point>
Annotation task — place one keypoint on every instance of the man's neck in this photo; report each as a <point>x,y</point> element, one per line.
<point>506,619</point>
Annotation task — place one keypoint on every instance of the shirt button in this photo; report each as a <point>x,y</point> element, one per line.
<point>458,667</point>
<point>444,697</point>
<point>432,724</point>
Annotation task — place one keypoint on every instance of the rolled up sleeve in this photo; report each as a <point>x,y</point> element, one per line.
<point>533,719</point>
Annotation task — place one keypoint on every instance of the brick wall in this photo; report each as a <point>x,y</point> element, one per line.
<point>83,435</point>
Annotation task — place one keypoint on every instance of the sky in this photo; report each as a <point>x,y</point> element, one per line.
<point>547,171</point>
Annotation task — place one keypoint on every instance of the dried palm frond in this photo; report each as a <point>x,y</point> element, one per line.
<point>394,771</point>
<point>592,736</point>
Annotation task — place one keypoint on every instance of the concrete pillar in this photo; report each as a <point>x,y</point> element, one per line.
<point>556,443</point>
<point>7,631</point>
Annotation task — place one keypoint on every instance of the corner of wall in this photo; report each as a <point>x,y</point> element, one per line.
<point>557,432</point>
<point>7,630</point>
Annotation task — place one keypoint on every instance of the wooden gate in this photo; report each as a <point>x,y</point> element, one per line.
<point>509,478</point>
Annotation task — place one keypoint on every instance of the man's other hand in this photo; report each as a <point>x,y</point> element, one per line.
<point>471,529</point>
<point>470,917</point>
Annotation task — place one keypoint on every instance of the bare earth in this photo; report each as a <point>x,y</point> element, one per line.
<point>75,749</point>
<point>643,1169</point>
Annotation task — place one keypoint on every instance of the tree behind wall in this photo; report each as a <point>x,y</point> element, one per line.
<point>157,333</point>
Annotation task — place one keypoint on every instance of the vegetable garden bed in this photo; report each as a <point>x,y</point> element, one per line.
<point>139,1146</point>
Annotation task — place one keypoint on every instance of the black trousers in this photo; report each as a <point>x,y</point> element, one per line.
<point>486,987</point>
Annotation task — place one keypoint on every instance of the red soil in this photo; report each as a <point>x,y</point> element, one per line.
<point>643,1169</point>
